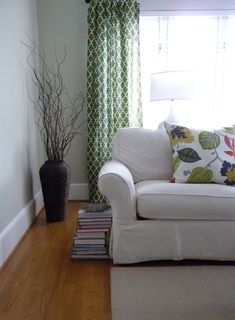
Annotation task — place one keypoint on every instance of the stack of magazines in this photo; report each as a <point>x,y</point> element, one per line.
<point>91,239</point>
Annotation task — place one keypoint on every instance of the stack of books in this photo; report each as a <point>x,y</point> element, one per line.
<point>91,239</point>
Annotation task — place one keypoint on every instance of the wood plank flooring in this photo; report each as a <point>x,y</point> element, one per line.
<point>41,282</point>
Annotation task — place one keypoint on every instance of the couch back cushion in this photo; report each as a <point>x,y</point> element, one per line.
<point>147,153</point>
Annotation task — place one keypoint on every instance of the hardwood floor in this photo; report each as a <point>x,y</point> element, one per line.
<point>40,281</point>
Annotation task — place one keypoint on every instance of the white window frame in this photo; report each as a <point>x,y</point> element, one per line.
<point>162,113</point>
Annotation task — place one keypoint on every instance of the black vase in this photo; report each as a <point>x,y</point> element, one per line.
<point>55,181</point>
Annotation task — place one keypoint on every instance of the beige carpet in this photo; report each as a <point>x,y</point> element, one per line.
<point>182,292</point>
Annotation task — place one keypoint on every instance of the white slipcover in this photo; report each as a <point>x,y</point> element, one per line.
<point>159,199</point>
<point>146,153</point>
<point>183,221</point>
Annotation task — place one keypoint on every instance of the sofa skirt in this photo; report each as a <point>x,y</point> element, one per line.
<point>148,240</point>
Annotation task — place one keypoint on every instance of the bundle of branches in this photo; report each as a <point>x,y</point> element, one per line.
<point>58,115</point>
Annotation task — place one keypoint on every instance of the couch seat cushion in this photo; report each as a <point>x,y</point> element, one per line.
<point>158,199</point>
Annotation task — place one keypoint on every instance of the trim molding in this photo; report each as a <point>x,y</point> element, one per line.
<point>171,5</point>
<point>78,191</point>
<point>15,230</point>
<point>38,198</point>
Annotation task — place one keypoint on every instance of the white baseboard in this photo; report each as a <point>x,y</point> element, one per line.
<point>38,198</point>
<point>78,191</point>
<point>12,234</point>
<point>14,231</point>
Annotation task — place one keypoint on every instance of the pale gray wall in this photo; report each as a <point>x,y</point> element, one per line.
<point>65,23</point>
<point>19,158</point>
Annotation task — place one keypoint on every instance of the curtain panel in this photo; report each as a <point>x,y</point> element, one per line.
<point>113,80</point>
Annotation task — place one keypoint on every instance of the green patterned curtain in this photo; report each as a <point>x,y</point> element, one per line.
<point>113,79</point>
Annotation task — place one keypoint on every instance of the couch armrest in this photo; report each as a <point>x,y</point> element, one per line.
<point>116,183</point>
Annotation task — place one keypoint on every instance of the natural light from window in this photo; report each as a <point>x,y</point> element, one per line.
<point>204,45</point>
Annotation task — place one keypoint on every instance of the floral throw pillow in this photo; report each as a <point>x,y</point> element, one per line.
<point>201,156</point>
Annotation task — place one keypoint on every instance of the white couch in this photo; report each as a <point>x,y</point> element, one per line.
<point>154,219</point>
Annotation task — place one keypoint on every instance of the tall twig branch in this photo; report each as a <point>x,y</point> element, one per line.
<point>58,115</point>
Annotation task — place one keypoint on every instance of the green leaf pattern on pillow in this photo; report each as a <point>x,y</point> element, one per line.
<point>200,175</point>
<point>188,155</point>
<point>201,156</point>
<point>209,140</point>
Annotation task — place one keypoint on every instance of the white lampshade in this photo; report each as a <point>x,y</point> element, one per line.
<point>172,85</point>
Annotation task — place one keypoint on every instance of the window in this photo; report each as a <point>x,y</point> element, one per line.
<point>204,45</point>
